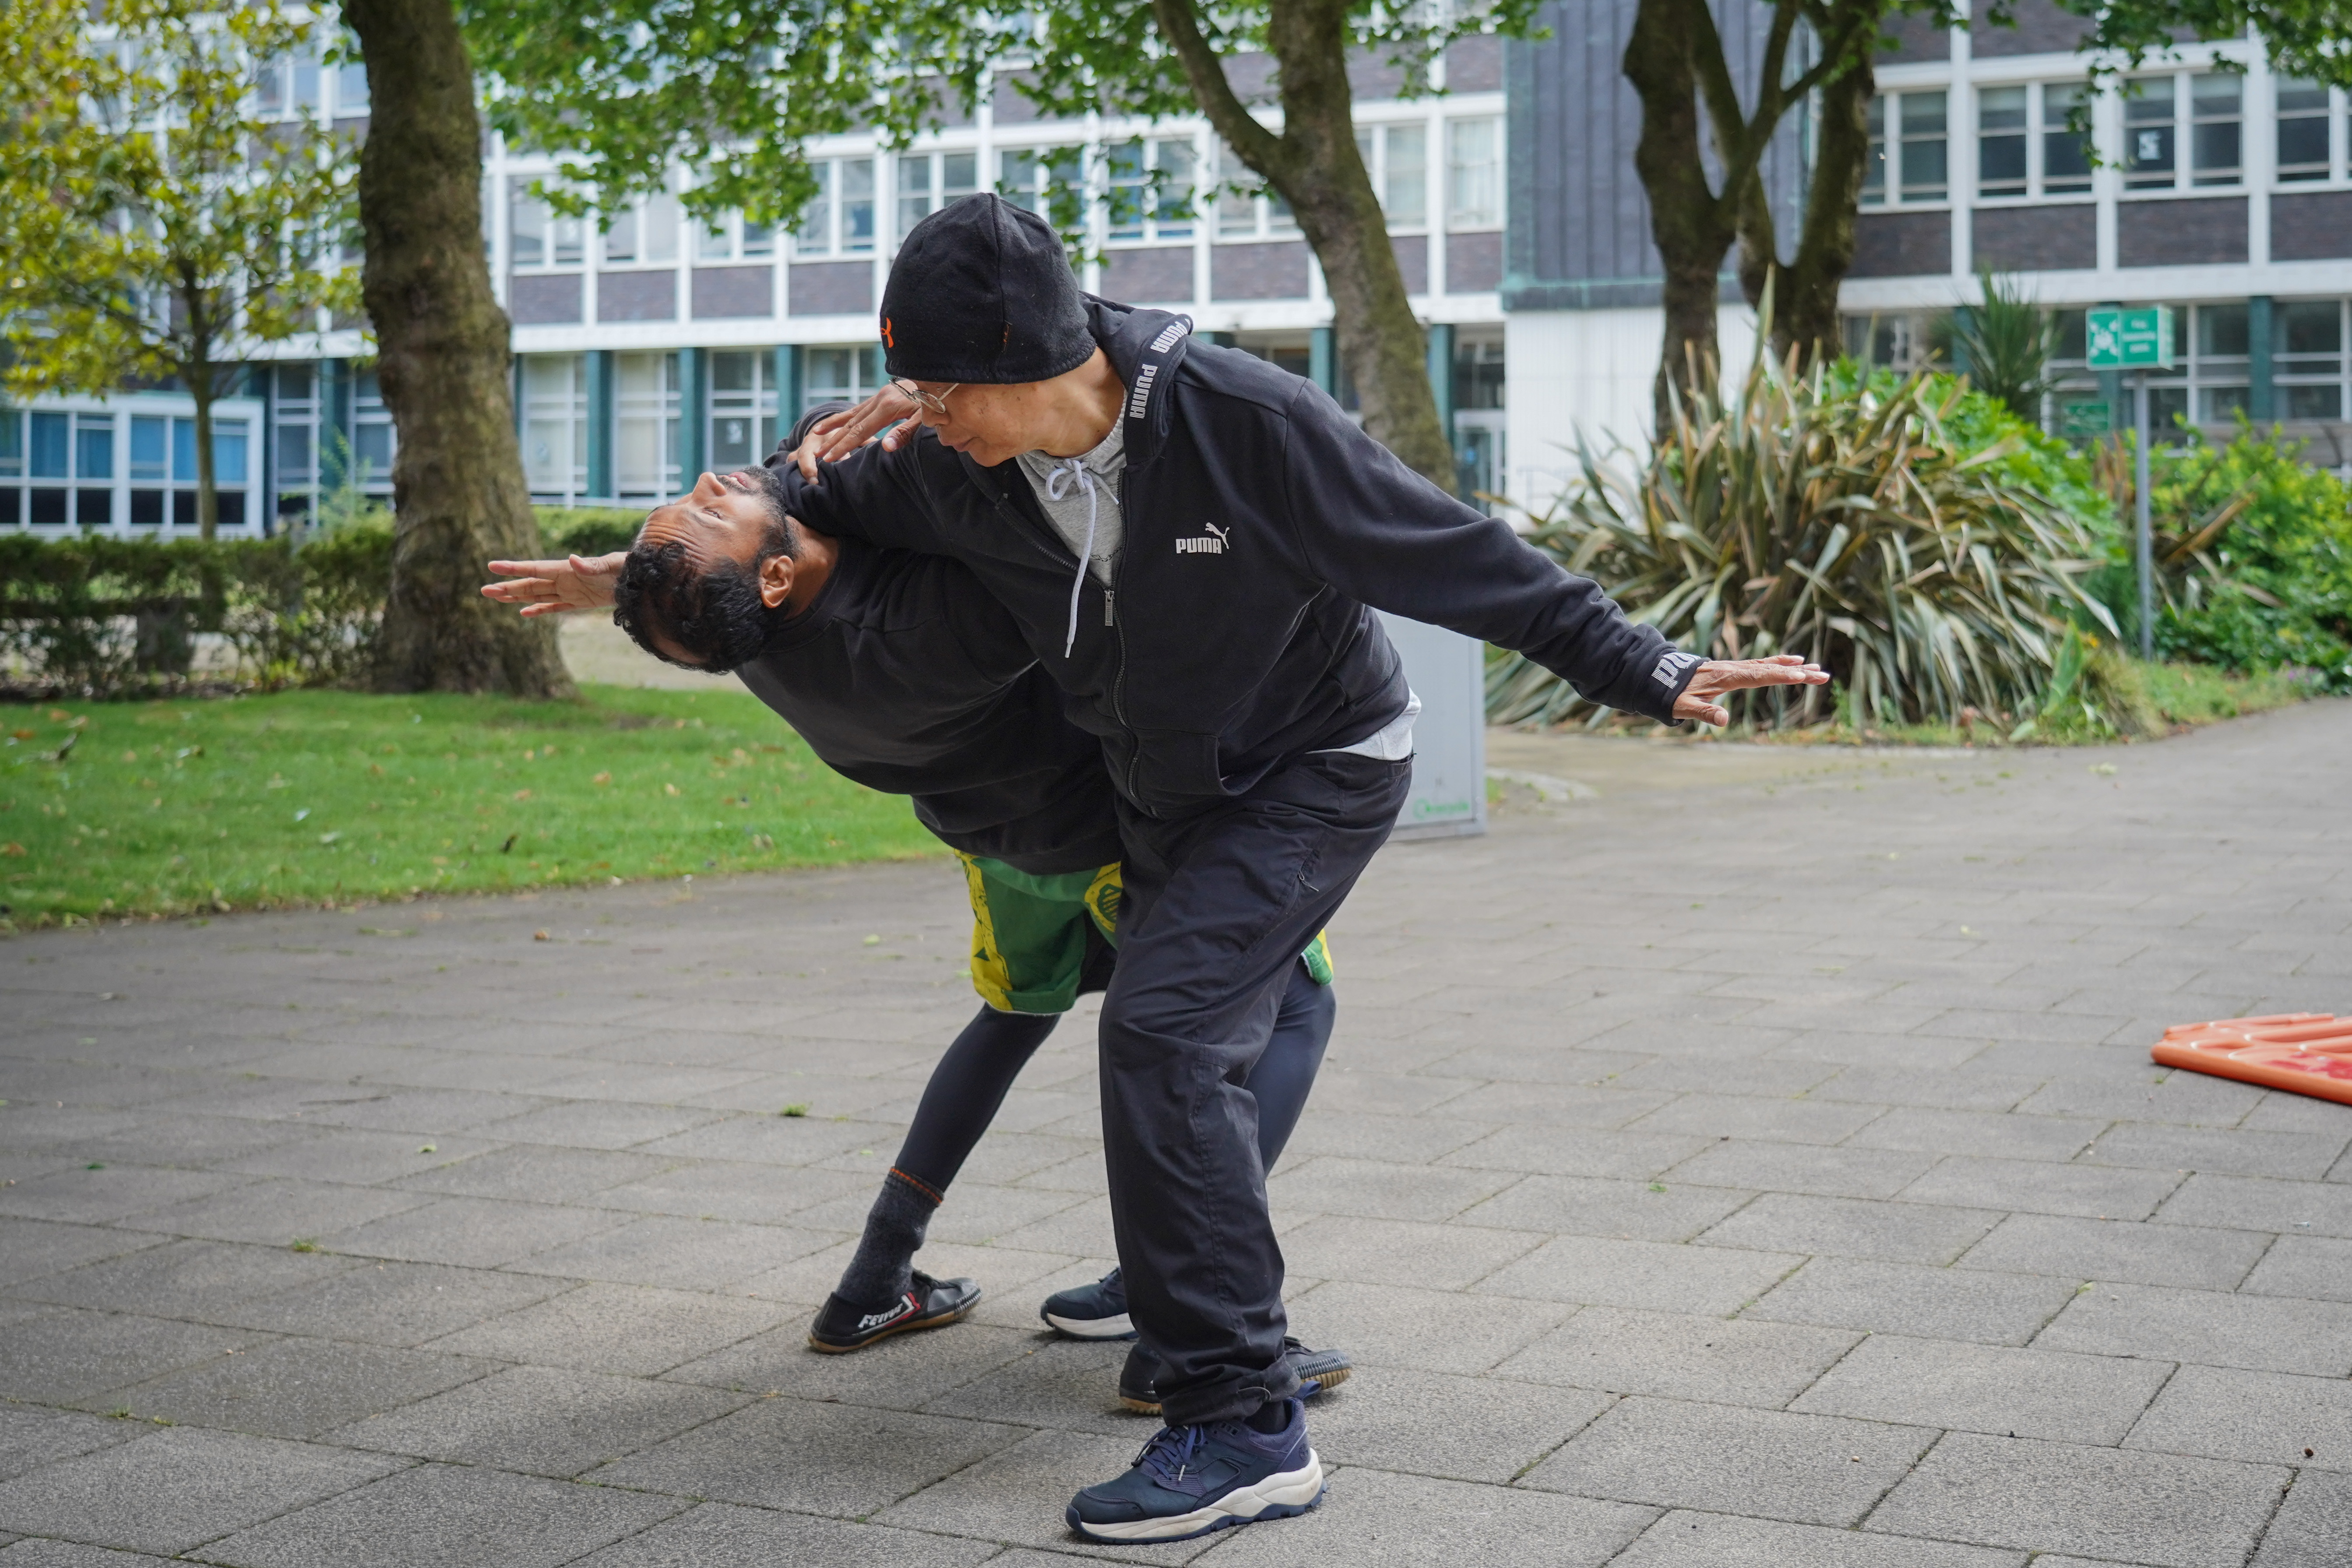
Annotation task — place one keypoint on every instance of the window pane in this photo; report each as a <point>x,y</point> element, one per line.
<point>659,230</point>
<point>1474,175</point>
<point>1016,178</point>
<point>2312,333</point>
<point>2222,403</point>
<point>2302,130</point>
<point>183,450</point>
<point>1405,181</point>
<point>293,455</point>
<point>2148,152</point>
<point>621,239</point>
<point>567,241</point>
<point>149,454</point>
<point>294,382</point>
<point>2000,141</point>
<point>1873,170</point>
<point>12,444</point>
<point>228,452</point>
<point>51,454</point>
<point>2312,402</point>
<point>2220,331</point>
<point>2000,108</point>
<point>815,235</point>
<point>858,204</point>
<point>2213,105</point>
<point>959,176</point>
<point>732,371</point>
<point>1924,149</point>
<point>525,227</point>
<point>94,448</point>
<point>758,238</point>
<point>914,191</point>
<point>350,89</point>
<point>2065,155</point>
<point>715,240</point>
<point>1124,200</point>
<point>1174,213</point>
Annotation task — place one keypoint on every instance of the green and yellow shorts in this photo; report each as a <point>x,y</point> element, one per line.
<point>1030,934</point>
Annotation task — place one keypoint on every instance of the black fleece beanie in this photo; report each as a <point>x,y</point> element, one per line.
<point>981,294</point>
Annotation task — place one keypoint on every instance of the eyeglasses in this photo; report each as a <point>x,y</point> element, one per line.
<point>933,402</point>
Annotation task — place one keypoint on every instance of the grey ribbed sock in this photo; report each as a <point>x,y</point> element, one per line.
<point>894,1233</point>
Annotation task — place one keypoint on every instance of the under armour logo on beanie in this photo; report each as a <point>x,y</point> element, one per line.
<point>981,293</point>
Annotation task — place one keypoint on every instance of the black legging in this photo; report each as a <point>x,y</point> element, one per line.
<point>972,1079</point>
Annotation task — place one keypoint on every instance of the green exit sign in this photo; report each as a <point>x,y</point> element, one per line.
<point>2131,340</point>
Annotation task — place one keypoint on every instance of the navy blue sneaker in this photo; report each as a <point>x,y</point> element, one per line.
<point>1096,1311</point>
<point>1190,1480</point>
<point>1317,1370</point>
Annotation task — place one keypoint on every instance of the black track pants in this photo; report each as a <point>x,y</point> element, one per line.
<point>1217,906</point>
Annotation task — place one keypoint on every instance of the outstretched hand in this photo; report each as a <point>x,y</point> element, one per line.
<point>1719,676</point>
<point>835,436</point>
<point>552,588</point>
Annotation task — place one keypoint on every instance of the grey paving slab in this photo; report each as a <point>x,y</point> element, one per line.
<point>1603,1271</point>
<point>175,1488</point>
<point>729,1190</point>
<point>1853,1228</point>
<point>1688,1539</point>
<point>31,1437</point>
<point>621,1329</point>
<point>1989,1388</point>
<point>1371,1251</point>
<point>2311,1526</point>
<point>1379,1190</point>
<point>1397,1419</point>
<point>535,1174</point>
<point>68,1554</point>
<point>2014,1135</point>
<point>1384,1521</point>
<point>2247,1203</point>
<point>438,1514</point>
<point>1795,1168</point>
<point>2259,1332</point>
<point>2190,1098</point>
<point>357,1156</point>
<point>279,1213</point>
<point>904,1372</point>
<point>719,1533</point>
<point>1777,1119</point>
<point>850,1461</point>
<point>2305,1155</point>
<point>471,1233</point>
<point>1561,1152</point>
<point>1430,1330</point>
<point>2103,1504</point>
<point>93,1192</point>
<point>1594,1205</point>
<point>2315,1267</point>
<point>597,1125</point>
<point>2139,1254</point>
<point>185,1279</point>
<point>547,1421</point>
<point>665,1250</point>
<point>1733,1361</point>
<point>1065,1383</point>
<point>2224,1413</point>
<point>31,1248</point>
<point>70,1354</point>
<point>1813,1469</point>
<point>1905,1299</point>
<point>392,1303</point>
<point>294,1388</point>
<point>2039,1186</point>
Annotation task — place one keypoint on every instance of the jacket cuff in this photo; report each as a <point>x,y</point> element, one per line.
<point>1667,679</point>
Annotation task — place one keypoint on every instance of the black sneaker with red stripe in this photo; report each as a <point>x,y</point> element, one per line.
<point>927,1303</point>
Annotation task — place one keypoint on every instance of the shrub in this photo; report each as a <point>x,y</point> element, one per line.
<point>101,616</point>
<point>1904,533</point>
<point>2253,555</point>
<point>588,530</point>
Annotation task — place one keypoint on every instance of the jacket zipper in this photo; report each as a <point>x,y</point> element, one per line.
<point>1119,675</point>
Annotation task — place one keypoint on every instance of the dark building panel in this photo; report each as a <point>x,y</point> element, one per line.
<point>1915,39</point>
<point>2180,234</point>
<point>722,293</point>
<point>1159,275</point>
<point>2313,227</point>
<point>2037,238</point>
<point>1474,263</point>
<point>2041,29</point>
<point>1275,270</point>
<point>1373,77</point>
<point>544,299</point>
<point>1413,260</point>
<point>1580,224</point>
<point>829,287</point>
<point>1902,245</point>
<point>1011,107</point>
<point>637,296</point>
<point>1474,65</point>
<point>1252,77</point>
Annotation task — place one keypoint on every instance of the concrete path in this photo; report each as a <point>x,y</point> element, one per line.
<point>1757,1161</point>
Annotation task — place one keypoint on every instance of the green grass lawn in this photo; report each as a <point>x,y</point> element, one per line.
<point>326,797</point>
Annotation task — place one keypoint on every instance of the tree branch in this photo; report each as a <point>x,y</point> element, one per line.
<point>1256,146</point>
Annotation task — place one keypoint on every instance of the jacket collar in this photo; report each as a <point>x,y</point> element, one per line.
<point>1145,347</point>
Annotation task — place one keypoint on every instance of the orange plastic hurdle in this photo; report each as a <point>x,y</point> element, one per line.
<point>2304,1053</point>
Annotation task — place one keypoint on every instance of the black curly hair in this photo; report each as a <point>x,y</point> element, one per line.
<point>714,616</point>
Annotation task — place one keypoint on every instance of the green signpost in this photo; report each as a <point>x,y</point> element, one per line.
<point>2142,341</point>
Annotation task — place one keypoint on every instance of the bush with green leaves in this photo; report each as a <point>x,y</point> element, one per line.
<point>2253,555</point>
<point>103,615</point>
<point>588,530</point>
<point>1912,536</point>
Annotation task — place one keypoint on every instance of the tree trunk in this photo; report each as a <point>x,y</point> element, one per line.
<point>458,484</point>
<point>1805,306</point>
<point>1692,227</point>
<point>200,391</point>
<point>1316,167</point>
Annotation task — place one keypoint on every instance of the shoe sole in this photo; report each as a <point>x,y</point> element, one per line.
<point>1325,1381</point>
<point>1118,1327</point>
<point>910,1326</point>
<point>1283,1496</point>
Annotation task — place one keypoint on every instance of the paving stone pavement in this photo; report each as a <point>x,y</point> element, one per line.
<point>1758,1161</point>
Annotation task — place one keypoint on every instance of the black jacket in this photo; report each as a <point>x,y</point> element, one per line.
<point>903,674</point>
<point>1259,524</point>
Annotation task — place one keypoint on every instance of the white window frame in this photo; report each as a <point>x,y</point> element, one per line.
<point>556,234</point>
<point>2283,377</point>
<point>1376,144</point>
<point>1459,219</point>
<point>2183,124</point>
<point>2339,130</point>
<point>825,232</point>
<point>646,217</point>
<point>2044,122</point>
<point>1154,226</point>
<point>923,178</point>
<point>758,406</point>
<point>1889,153</point>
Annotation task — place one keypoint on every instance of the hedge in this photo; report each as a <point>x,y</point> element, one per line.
<point>99,615</point>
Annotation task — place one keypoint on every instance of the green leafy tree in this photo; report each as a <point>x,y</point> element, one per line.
<point>734,90</point>
<point>1707,120</point>
<point>156,221</point>
<point>443,359</point>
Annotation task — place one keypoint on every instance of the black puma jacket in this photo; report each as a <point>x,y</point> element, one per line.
<point>1259,525</point>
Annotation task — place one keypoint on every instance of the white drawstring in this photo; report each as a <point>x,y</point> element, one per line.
<point>1057,482</point>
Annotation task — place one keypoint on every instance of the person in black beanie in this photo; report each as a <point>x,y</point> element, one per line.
<point>1190,540</point>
